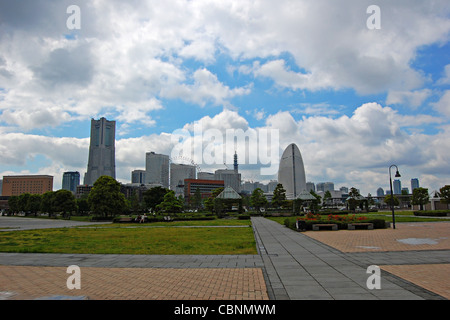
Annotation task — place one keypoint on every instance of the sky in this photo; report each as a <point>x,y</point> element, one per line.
<point>357,90</point>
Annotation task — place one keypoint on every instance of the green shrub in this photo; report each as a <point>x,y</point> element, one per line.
<point>432,213</point>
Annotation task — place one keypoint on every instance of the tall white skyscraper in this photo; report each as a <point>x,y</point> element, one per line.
<point>291,173</point>
<point>102,151</point>
<point>157,169</point>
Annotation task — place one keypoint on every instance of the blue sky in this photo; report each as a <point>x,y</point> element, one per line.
<point>354,100</point>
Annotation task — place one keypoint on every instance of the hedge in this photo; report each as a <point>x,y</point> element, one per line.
<point>432,213</point>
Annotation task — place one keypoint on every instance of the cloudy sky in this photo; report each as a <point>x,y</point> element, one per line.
<point>354,99</point>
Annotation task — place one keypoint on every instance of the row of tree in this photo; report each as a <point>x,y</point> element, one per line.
<point>421,197</point>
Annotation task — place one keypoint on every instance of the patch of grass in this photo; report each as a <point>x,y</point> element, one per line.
<point>131,241</point>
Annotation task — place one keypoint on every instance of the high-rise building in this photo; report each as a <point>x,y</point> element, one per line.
<point>138,176</point>
<point>70,181</point>
<point>344,190</point>
<point>380,192</point>
<point>291,172</point>
<point>206,187</point>
<point>325,186</point>
<point>414,184</point>
<point>157,169</point>
<point>102,151</point>
<point>178,173</point>
<point>17,185</point>
<point>310,186</point>
<point>397,187</point>
<point>231,178</point>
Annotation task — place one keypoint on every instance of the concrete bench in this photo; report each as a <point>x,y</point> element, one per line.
<point>353,226</point>
<point>317,227</point>
<point>125,220</point>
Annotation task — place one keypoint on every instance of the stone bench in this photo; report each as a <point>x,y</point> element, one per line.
<point>353,226</point>
<point>317,227</point>
<point>125,220</point>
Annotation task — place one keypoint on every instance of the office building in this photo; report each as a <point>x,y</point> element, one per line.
<point>70,181</point>
<point>230,177</point>
<point>310,186</point>
<point>414,184</point>
<point>178,173</point>
<point>102,154</point>
<point>397,187</point>
<point>205,176</point>
<point>380,192</point>
<point>291,172</point>
<point>325,186</point>
<point>17,185</point>
<point>157,169</point>
<point>138,176</point>
<point>206,187</point>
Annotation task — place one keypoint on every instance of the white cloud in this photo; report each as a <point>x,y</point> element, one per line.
<point>443,105</point>
<point>413,99</point>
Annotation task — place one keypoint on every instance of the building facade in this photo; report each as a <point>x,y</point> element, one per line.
<point>17,185</point>
<point>102,152</point>
<point>178,173</point>
<point>397,187</point>
<point>414,184</point>
<point>206,187</point>
<point>157,169</point>
<point>138,176</point>
<point>231,178</point>
<point>70,181</point>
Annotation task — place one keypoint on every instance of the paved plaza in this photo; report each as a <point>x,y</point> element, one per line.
<point>414,260</point>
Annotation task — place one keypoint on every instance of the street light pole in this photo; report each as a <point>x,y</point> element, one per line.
<point>397,175</point>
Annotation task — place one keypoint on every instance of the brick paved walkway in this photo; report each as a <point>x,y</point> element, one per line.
<point>406,237</point>
<point>31,282</point>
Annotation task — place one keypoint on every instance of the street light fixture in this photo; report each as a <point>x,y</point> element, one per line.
<point>397,175</point>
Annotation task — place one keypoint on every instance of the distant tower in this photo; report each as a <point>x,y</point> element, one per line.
<point>291,173</point>
<point>70,181</point>
<point>414,184</point>
<point>235,162</point>
<point>102,151</point>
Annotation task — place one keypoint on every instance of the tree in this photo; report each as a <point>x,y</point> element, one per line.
<point>23,202</point>
<point>354,198</point>
<point>64,201</point>
<point>105,197</point>
<point>420,197</point>
<point>327,197</point>
<point>47,202</point>
<point>82,205</point>
<point>13,203</point>
<point>170,204</point>
<point>387,200</point>
<point>154,196</point>
<point>197,199</point>
<point>34,203</point>
<point>257,199</point>
<point>445,194</point>
<point>279,196</point>
<point>316,202</point>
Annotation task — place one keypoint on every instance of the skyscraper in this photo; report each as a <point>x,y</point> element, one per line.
<point>380,192</point>
<point>397,187</point>
<point>102,151</point>
<point>138,176</point>
<point>157,169</point>
<point>291,172</point>
<point>70,181</point>
<point>178,173</point>
<point>414,184</point>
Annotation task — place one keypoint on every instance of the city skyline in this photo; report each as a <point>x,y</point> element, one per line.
<point>354,99</point>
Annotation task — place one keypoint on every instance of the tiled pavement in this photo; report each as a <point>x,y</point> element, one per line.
<point>293,266</point>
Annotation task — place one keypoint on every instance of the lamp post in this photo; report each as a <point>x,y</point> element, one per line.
<point>397,175</point>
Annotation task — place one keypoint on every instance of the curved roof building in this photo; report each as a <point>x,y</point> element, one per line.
<point>291,173</point>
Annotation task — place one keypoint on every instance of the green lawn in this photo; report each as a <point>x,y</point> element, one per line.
<point>139,240</point>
